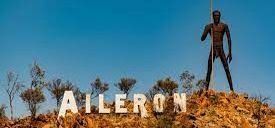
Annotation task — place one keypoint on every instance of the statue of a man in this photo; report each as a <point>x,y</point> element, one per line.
<point>218,30</point>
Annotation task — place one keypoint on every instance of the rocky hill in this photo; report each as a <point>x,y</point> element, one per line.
<point>211,109</point>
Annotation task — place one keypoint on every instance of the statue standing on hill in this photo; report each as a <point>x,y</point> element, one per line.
<point>218,29</point>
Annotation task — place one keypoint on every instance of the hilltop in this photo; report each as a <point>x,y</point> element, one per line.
<point>211,109</point>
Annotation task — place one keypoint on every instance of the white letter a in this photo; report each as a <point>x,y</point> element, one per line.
<point>68,102</point>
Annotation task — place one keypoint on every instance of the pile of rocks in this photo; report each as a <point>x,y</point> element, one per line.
<point>219,109</point>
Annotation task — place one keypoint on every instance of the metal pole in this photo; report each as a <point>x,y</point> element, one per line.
<point>212,45</point>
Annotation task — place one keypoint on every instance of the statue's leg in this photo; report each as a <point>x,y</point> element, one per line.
<point>209,70</point>
<point>226,69</point>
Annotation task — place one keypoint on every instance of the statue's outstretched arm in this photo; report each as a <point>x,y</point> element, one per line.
<point>205,32</point>
<point>228,38</point>
<point>229,57</point>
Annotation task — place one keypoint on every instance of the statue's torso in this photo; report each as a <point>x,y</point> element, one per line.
<point>218,32</point>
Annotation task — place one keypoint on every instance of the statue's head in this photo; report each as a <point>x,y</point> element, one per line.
<point>216,16</point>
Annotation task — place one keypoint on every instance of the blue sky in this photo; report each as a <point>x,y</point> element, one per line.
<point>144,39</point>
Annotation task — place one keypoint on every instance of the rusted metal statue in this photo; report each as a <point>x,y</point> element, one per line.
<point>218,29</point>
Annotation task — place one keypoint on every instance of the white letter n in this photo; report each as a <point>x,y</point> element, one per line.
<point>180,102</point>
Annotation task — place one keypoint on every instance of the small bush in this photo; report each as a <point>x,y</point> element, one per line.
<point>2,111</point>
<point>33,97</point>
<point>126,85</point>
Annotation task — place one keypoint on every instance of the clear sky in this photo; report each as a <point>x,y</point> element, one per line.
<point>145,39</point>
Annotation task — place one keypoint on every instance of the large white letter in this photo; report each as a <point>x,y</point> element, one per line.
<point>139,100</point>
<point>101,105</point>
<point>158,102</point>
<point>88,103</point>
<point>68,102</point>
<point>120,103</point>
<point>180,102</point>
